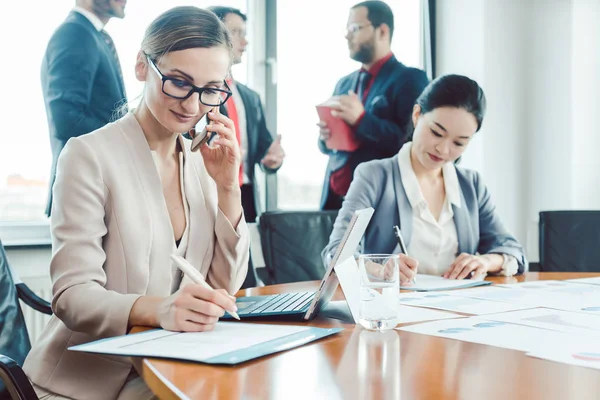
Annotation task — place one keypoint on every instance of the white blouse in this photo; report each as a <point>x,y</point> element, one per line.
<point>435,242</point>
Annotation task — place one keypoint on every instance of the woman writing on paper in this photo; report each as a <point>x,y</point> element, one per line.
<point>445,212</point>
<point>130,195</point>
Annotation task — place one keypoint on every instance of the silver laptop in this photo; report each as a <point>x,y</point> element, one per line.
<point>306,305</point>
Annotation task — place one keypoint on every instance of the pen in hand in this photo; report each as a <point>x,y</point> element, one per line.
<point>402,246</point>
<point>195,276</point>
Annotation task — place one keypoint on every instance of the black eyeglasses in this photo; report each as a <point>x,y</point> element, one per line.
<point>181,89</point>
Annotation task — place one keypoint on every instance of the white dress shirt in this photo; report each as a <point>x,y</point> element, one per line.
<point>241,113</point>
<point>434,243</point>
<point>99,25</point>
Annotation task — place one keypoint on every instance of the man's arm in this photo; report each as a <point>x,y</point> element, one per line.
<point>390,133</point>
<point>72,60</point>
<point>264,140</point>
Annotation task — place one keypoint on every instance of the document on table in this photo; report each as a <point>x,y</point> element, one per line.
<point>563,297</point>
<point>562,286</point>
<point>408,314</point>
<point>557,320</point>
<point>228,343</point>
<point>491,333</point>
<point>503,294</point>
<point>445,301</point>
<point>583,353</point>
<point>425,283</point>
<point>589,281</point>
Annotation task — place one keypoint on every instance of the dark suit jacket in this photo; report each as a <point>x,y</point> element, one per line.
<point>259,137</point>
<point>388,108</point>
<point>81,84</point>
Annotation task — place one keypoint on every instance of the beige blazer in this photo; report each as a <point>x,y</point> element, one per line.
<point>111,241</point>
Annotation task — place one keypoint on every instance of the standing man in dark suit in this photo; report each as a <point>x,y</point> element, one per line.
<point>376,101</point>
<point>82,82</point>
<point>245,109</point>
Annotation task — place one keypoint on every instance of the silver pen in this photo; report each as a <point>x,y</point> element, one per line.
<point>402,246</point>
<point>195,276</point>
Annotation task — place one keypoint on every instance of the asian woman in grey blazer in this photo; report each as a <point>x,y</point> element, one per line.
<point>129,195</point>
<point>445,213</point>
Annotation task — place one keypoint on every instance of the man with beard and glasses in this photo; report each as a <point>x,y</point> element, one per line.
<point>82,82</point>
<point>376,101</point>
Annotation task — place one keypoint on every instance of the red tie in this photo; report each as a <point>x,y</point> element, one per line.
<point>233,115</point>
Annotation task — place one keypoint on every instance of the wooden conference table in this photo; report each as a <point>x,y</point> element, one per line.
<point>359,364</point>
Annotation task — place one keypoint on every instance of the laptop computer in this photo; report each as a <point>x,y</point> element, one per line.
<point>306,305</point>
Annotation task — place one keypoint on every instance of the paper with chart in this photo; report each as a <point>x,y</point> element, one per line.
<point>491,333</point>
<point>502,294</point>
<point>229,339</point>
<point>432,282</point>
<point>558,320</point>
<point>445,301</point>
<point>583,353</point>
<point>408,315</point>
<point>554,286</point>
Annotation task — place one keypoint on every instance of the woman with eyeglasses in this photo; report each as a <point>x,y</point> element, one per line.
<point>130,195</point>
<point>445,213</point>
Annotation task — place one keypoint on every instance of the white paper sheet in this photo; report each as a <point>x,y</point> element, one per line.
<point>433,282</point>
<point>491,333</point>
<point>558,320</point>
<point>583,353</point>
<point>539,285</point>
<point>408,314</point>
<point>502,294</point>
<point>225,338</point>
<point>589,281</point>
<point>445,301</point>
<point>563,297</point>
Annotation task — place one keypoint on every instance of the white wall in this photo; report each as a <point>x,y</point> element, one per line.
<point>537,61</point>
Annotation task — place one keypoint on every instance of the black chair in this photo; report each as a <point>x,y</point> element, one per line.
<point>569,241</point>
<point>292,242</point>
<point>14,338</point>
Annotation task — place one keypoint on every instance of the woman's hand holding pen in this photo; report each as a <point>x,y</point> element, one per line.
<point>408,269</point>
<point>194,308</point>
<point>222,158</point>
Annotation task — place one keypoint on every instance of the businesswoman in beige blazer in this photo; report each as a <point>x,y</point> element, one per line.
<point>129,195</point>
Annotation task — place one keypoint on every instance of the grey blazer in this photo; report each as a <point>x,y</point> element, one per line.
<point>378,184</point>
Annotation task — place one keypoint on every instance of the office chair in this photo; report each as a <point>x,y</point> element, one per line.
<point>14,338</point>
<point>569,241</point>
<point>292,242</point>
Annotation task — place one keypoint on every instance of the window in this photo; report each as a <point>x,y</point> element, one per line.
<point>25,156</point>
<point>312,55</point>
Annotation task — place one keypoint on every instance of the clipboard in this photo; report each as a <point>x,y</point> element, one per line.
<point>342,136</point>
<point>229,343</point>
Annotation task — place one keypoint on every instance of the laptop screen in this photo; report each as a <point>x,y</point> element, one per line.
<point>350,242</point>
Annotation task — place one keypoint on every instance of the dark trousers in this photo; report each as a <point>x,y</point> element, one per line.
<point>334,201</point>
<point>250,213</point>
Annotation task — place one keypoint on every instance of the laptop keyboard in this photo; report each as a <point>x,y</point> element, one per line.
<point>284,302</point>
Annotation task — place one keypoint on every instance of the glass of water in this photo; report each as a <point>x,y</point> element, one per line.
<point>379,288</point>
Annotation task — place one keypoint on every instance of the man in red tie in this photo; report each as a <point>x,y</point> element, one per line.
<point>244,108</point>
<point>376,101</point>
